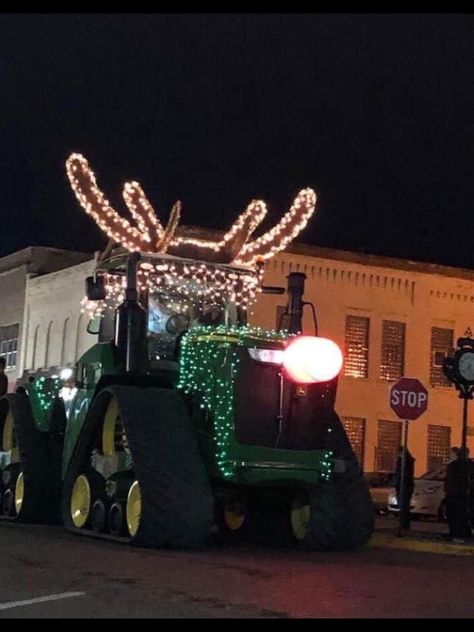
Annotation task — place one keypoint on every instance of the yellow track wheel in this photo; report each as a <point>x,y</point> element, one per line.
<point>300,514</point>
<point>134,508</point>
<point>234,515</point>
<point>113,435</point>
<point>81,498</point>
<point>9,438</point>
<point>19,492</point>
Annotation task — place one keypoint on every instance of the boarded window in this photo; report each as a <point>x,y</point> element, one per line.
<point>9,344</point>
<point>389,439</point>
<point>355,430</point>
<point>357,346</point>
<point>441,343</point>
<point>439,444</point>
<point>393,350</point>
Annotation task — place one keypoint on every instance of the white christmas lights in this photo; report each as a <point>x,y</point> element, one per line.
<point>149,235</point>
<point>187,282</point>
<point>281,235</point>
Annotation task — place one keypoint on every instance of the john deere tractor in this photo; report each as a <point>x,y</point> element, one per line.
<point>183,423</point>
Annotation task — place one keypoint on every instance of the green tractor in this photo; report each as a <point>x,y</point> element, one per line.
<point>183,423</point>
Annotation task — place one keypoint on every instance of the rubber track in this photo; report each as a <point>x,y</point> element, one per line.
<point>177,503</point>
<point>41,479</point>
<point>357,520</point>
<point>342,512</point>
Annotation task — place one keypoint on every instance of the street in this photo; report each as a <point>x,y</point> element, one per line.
<point>47,572</point>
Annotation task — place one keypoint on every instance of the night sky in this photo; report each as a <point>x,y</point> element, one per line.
<point>375,112</point>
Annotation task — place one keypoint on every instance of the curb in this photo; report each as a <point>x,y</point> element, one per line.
<point>379,540</point>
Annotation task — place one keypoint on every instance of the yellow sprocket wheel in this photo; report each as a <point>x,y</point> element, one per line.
<point>300,515</point>
<point>9,438</point>
<point>19,492</point>
<point>81,500</point>
<point>113,433</point>
<point>134,508</point>
<point>234,514</point>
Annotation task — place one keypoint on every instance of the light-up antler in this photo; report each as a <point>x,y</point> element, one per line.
<point>149,235</point>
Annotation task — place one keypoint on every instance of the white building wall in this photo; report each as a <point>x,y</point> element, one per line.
<point>52,304</point>
<point>12,290</point>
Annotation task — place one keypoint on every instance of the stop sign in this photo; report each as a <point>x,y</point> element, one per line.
<point>408,398</point>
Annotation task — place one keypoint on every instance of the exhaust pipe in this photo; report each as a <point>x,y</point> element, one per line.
<point>294,310</point>
<point>130,331</point>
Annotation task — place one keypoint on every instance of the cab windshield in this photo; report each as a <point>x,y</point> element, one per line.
<point>178,295</point>
<point>172,314</point>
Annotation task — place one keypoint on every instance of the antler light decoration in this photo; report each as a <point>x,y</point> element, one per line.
<point>150,236</point>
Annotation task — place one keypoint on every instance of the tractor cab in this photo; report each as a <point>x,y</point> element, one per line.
<point>156,300</point>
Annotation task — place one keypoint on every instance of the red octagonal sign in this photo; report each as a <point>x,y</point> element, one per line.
<point>408,398</point>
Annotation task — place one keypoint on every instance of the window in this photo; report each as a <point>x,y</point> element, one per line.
<point>9,344</point>
<point>389,439</point>
<point>47,353</point>
<point>79,335</point>
<point>439,443</point>
<point>66,328</point>
<point>393,350</point>
<point>34,356</point>
<point>441,343</point>
<point>355,430</point>
<point>357,346</point>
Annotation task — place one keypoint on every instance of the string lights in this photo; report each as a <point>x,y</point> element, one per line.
<point>149,235</point>
<point>281,235</point>
<point>209,363</point>
<point>189,281</point>
<point>142,211</point>
<point>93,201</point>
<point>44,391</point>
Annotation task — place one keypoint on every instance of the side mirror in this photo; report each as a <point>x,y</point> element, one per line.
<point>95,288</point>
<point>93,326</point>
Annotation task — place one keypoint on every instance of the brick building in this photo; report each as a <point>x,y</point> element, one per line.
<point>392,317</point>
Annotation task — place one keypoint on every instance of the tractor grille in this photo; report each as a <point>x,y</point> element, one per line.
<point>256,405</point>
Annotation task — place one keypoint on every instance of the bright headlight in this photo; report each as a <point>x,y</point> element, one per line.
<point>308,359</point>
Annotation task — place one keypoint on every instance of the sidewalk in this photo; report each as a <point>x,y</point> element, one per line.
<point>425,537</point>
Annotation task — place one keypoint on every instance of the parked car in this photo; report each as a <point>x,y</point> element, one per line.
<point>380,485</point>
<point>428,497</point>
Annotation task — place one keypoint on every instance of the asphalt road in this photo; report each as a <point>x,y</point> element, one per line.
<point>81,577</point>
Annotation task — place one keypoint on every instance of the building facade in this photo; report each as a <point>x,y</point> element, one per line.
<point>55,330</point>
<point>15,270</point>
<point>391,317</point>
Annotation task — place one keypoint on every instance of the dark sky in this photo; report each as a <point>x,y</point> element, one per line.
<point>375,112</point>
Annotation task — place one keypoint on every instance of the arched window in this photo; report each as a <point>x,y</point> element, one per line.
<point>64,343</point>
<point>80,325</point>
<point>47,352</point>
<point>34,355</point>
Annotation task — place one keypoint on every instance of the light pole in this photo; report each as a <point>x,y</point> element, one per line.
<point>459,369</point>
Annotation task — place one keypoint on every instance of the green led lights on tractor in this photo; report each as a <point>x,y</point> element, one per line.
<point>183,423</point>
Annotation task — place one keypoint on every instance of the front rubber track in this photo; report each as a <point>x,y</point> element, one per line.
<point>177,503</point>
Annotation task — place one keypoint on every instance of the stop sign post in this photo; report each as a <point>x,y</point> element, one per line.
<point>408,400</point>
